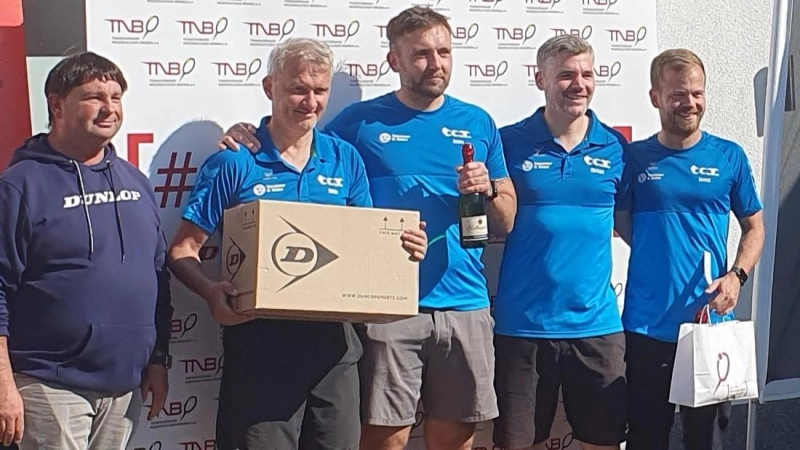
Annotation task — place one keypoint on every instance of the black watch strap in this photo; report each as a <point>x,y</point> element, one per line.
<point>740,274</point>
<point>161,358</point>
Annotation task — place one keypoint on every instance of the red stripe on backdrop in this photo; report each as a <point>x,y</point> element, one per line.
<point>626,131</point>
<point>15,113</point>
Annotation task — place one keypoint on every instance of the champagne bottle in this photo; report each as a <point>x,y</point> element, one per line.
<point>473,224</point>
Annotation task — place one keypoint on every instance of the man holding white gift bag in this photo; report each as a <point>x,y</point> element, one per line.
<point>683,184</point>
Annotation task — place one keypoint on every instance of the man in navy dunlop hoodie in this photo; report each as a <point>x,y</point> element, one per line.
<point>84,292</point>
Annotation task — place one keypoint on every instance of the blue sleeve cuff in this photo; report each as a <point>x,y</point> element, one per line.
<point>4,330</point>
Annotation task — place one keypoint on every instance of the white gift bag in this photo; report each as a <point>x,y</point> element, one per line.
<point>714,364</point>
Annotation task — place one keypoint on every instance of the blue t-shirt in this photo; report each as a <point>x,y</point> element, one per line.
<point>555,278</point>
<point>680,202</point>
<point>334,175</point>
<point>411,158</point>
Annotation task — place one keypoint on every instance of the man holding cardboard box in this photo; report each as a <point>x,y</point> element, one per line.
<point>411,141</point>
<point>286,383</point>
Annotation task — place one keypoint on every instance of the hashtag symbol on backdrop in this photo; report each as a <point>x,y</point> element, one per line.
<point>169,172</point>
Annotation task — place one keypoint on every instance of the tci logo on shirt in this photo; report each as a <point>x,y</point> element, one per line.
<point>457,135</point>
<point>598,165</point>
<point>705,173</point>
<point>330,181</point>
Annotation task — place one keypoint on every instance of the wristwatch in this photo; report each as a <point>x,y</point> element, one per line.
<point>740,274</point>
<point>161,358</point>
<point>493,195</point>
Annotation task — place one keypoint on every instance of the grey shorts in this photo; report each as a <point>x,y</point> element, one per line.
<point>445,358</point>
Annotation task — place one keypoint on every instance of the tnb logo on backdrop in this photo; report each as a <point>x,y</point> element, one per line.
<point>175,413</point>
<point>237,3</point>
<point>201,369</point>
<point>366,74</point>
<point>181,329</point>
<point>133,31</point>
<point>306,3</point>
<point>606,75</point>
<point>207,444</point>
<point>170,73</point>
<point>465,37</point>
<point>515,38</point>
<point>382,36</point>
<point>627,39</point>
<point>530,73</point>
<point>204,32</point>
<point>544,7</point>
<point>239,73</point>
<point>269,34</point>
<point>337,35</point>
<point>584,33</point>
<point>487,75</point>
<point>369,4</point>
<point>600,7</point>
<point>489,6</point>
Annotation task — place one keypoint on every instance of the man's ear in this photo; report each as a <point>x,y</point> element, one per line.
<point>267,84</point>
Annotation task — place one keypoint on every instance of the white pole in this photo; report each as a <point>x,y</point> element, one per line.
<point>770,183</point>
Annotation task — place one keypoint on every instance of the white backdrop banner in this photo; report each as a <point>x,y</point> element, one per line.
<point>195,67</point>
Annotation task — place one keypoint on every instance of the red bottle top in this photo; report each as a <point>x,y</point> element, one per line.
<point>468,153</point>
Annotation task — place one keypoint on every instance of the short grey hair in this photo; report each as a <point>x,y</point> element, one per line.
<point>301,50</point>
<point>566,43</point>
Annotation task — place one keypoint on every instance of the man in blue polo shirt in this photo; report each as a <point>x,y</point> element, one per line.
<point>287,384</point>
<point>411,144</point>
<point>558,322</point>
<point>684,183</point>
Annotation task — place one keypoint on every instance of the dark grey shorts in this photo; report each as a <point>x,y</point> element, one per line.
<point>591,374</point>
<point>289,384</point>
<point>445,358</point>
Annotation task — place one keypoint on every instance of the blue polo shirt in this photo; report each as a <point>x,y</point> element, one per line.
<point>411,158</point>
<point>555,277</point>
<point>334,175</point>
<point>680,203</point>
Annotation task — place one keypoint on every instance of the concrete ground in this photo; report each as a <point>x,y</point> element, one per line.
<point>778,428</point>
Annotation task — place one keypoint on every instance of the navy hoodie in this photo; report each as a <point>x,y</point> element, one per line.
<point>83,284</point>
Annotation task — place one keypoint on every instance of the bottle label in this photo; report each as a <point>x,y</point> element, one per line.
<point>475,228</point>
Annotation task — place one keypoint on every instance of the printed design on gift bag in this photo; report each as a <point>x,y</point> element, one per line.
<point>722,378</point>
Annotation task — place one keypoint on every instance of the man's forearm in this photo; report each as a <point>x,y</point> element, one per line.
<point>164,310</point>
<point>750,246</point>
<point>501,211</point>
<point>6,374</point>
<point>189,272</point>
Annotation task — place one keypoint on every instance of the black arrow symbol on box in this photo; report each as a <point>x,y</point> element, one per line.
<point>401,223</point>
<point>385,222</point>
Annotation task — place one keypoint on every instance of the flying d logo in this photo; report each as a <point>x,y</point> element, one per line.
<point>298,255</point>
<point>234,259</point>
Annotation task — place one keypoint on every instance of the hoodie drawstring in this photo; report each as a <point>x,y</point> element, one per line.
<point>85,208</point>
<point>116,210</point>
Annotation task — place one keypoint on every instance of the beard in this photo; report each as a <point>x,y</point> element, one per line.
<point>420,87</point>
<point>675,124</point>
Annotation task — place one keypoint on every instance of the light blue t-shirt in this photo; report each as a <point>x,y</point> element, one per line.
<point>555,278</point>
<point>334,175</point>
<point>411,158</point>
<point>680,202</point>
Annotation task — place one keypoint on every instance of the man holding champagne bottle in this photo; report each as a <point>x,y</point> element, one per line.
<point>412,142</point>
<point>558,323</point>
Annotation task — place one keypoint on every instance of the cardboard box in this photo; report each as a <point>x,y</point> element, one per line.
<point>321,262</point>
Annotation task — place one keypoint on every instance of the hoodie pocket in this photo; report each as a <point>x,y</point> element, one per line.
<point>112,359</point>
